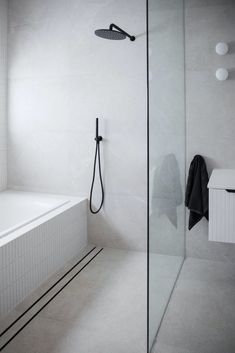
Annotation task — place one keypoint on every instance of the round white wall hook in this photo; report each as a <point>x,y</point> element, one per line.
<point>222,48</point>
<point>221,74</point>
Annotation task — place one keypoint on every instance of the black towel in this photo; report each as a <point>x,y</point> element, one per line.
<point>196,197</point>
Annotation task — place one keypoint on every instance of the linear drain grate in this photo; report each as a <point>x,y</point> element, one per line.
<point>44,295</point>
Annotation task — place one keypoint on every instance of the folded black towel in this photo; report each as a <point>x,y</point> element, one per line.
<point>196,197</point>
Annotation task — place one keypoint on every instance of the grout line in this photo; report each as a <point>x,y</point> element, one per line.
<point>1,348</point>
<point>45,293</point>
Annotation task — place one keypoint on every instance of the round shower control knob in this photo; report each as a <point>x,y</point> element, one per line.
<point>221,48</point>
<point>221,74</point>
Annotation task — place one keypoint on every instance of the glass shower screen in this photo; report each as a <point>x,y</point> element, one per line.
<point>166,155</point>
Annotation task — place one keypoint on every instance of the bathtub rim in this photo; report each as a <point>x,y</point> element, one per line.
<point>68,202</point>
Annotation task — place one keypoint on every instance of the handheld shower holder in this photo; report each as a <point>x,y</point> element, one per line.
<point>98,139</point>
<point>97,159</point>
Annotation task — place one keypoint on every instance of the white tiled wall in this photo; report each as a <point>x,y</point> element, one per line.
<point>210,104</point>
<point>3,89</point>
<point>167,126</point>
<point>30,259</point>
<point>61,77</point>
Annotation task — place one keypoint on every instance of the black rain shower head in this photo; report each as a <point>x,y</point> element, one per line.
<point>113,34</point>
<point>110,34</point>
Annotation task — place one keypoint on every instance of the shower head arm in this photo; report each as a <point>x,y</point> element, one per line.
<point>112,26</point>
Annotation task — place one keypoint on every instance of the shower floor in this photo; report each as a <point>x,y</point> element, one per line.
<point>200,317</point>
<point>102,310</point>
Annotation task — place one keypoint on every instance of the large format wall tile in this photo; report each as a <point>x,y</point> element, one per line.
<point>167,127</point>
<point>3,88</point>
<point>121,215</point>
<point>205,3</point>
<point>210,104</point>
<point>205,27</point>
<point>69,77</point>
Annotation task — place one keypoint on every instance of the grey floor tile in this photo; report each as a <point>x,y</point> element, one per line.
<point>29,300</point>
<point>209,271</point>
<point>162,276</point>
<point>7,320</point>
<point>102,310</point>
<point>201,314</point>
<point>165,348</point>
<point>49,336</point>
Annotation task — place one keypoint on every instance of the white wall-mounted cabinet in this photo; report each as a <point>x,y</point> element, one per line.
<point>222,205</point>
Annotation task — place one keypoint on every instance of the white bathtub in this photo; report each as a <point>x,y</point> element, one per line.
<point>21,208</point>
<point>39,233</point>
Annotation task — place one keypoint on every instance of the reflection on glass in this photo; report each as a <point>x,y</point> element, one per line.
<point>167,192</point>
<point>166,154</point>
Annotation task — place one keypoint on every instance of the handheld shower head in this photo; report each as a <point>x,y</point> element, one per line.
<point>112,34</point>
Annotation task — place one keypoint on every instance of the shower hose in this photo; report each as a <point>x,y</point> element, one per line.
<point>97,155</point>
